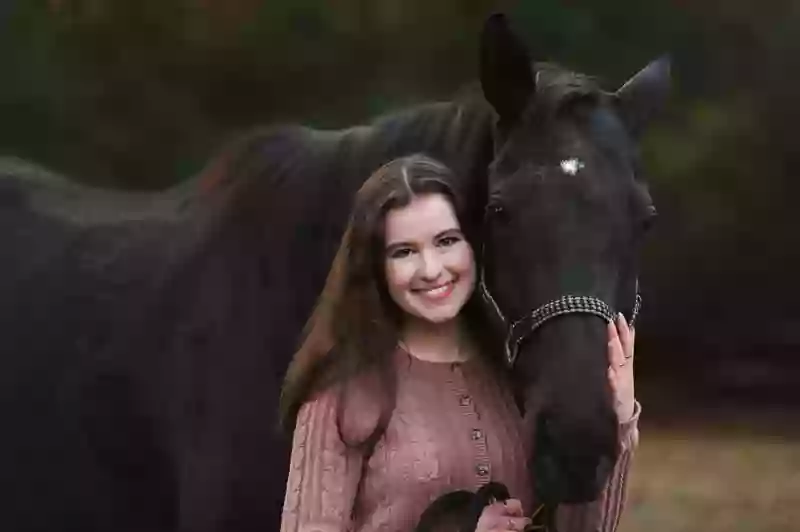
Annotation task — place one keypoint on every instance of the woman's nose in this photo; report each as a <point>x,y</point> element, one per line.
<point>431,265</point>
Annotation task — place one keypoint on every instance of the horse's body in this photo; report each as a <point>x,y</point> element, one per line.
<point>145,336</point>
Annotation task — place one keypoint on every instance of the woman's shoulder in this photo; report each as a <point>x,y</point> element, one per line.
<point>357,404</point>
<point>366,405</point>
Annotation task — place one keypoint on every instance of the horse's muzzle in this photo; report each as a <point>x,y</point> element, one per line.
<point>572,469</point>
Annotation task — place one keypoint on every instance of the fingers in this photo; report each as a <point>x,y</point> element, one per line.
<point>511,524</point>
<point>518,523</point>
<point>616,357</point>
<point>620,343</point>
<point>625,336</point>
<point>503,517</point>
<point>513,507</point>
<point>507,508</point>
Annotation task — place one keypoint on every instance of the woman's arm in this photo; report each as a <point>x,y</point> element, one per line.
<point>324,473</point>
<point>603,515</point>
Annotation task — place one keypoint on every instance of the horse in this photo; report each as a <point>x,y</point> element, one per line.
<point>567,211</point>
<point>145,335</point>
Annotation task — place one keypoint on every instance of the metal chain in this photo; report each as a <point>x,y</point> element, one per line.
<point>569,304</point>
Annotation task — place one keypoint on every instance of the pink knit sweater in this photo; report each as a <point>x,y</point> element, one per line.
<point>454,427</point>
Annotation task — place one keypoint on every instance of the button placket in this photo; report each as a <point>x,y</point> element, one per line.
<point>475,432</point>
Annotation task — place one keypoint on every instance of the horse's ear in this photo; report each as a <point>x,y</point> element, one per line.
<point>645,94</point>
<point>505,68</point>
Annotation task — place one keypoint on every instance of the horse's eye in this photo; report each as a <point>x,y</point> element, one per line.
<point>495,208</point>
<point>497,211</point>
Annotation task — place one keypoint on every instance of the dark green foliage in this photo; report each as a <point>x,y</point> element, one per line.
<point>136,94</point>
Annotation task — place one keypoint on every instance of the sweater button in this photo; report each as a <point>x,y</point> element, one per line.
<point>477,434</point>
<point>482,470</point>
<point>464,400</point>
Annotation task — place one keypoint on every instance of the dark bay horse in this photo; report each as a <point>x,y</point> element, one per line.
<point>144,336</point>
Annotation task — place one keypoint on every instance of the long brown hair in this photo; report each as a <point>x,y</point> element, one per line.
<point>355,324</point>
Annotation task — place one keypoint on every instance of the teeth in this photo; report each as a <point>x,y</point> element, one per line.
<point>439,290</point>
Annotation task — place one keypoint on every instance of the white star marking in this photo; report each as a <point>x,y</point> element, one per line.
<point>571,166</point>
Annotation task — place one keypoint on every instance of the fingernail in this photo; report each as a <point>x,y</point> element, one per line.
<point>621,317</point>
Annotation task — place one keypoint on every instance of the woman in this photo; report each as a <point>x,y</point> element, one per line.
<point>397,394</point>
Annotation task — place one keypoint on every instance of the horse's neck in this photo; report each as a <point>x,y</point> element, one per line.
<point>459,135</point>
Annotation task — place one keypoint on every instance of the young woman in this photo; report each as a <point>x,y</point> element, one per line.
<point>398,394</point>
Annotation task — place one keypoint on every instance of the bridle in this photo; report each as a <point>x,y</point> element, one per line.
<point>519,330</point>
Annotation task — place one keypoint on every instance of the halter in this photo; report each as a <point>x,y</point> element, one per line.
<point>525,326</point>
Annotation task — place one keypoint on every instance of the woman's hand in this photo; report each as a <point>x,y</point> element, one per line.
<point>504,516</point>
<point>620,370</point>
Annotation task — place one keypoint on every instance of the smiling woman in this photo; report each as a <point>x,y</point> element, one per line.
<point>384,393</point>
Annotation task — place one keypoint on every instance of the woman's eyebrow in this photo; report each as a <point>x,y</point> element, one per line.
<point>438,235</point>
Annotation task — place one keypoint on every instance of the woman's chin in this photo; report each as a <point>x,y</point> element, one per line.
<point>438,316</point>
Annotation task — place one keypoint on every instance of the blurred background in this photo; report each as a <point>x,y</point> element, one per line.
<point>139,94</point>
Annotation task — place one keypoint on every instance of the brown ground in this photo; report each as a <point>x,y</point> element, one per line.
<point>713,464</point>
<point>713,482</point>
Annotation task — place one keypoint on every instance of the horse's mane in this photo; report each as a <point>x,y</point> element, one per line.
<point>279,156</point>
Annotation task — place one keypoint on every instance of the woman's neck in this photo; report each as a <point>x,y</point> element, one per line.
<point>436,342</point>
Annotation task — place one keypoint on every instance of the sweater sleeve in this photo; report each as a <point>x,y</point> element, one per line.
<point>603,515</point>
<point>324,473</point>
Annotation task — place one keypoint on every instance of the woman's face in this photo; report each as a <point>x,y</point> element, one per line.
<point>430,267</point>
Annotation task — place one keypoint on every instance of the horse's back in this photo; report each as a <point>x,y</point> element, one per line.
<point>71,256</point>
<point>75,264</point>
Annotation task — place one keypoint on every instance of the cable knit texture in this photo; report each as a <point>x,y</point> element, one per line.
<point>454,427</point>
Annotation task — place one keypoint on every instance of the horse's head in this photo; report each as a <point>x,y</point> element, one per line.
<point>566,215</point>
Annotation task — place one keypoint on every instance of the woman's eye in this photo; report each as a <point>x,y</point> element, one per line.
<point>449,240</point>
<point>400,253</point>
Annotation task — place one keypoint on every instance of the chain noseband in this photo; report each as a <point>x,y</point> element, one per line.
<point>520,329</point>
<point>568,304</point>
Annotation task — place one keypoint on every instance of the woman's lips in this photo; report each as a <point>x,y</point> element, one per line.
<point>437,293</point>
